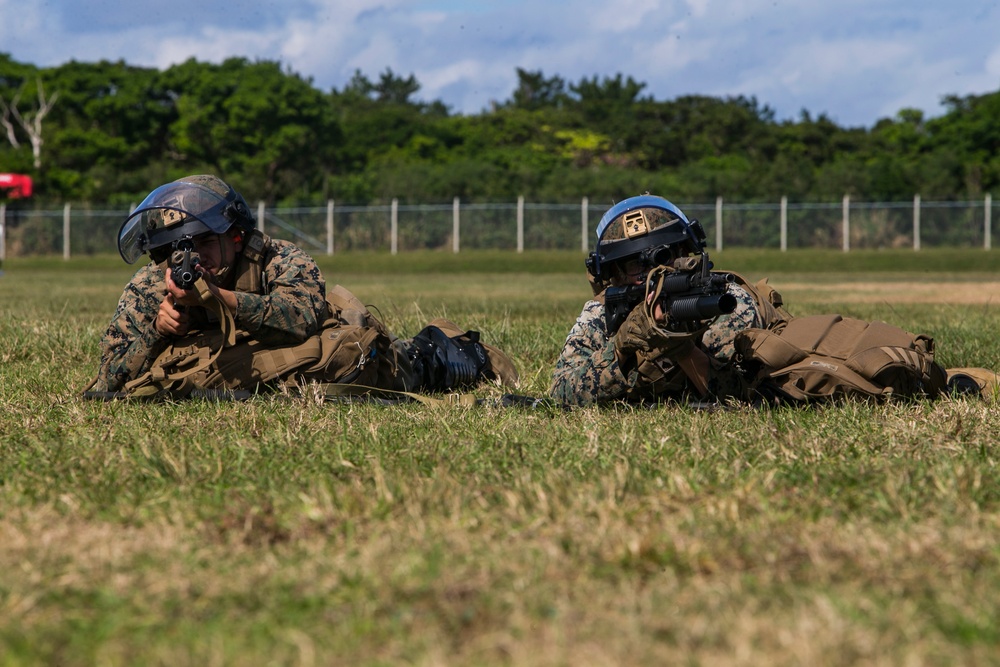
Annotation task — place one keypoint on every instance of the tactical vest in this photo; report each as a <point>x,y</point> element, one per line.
<point>828,356</point>
<point>770,305</point>
<point>250,268</point>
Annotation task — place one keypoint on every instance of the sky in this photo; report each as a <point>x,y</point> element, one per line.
<point>856,61</point>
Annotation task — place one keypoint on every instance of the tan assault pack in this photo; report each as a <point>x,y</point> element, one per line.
<point>829,356</point>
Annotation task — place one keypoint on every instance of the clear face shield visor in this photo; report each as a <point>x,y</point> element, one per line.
<point>169,213</point>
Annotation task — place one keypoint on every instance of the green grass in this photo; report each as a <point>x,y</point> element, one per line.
<point>291,531</point>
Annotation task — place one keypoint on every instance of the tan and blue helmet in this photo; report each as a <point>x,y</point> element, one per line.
<point>645,227</point>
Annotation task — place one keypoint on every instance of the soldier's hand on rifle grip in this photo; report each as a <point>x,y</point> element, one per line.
<point>171,319</point>
<point>181,296</point>
<point>660,316</point>
<point>641,334</point>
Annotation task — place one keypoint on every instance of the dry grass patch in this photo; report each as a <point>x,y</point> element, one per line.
<point>931,292</point>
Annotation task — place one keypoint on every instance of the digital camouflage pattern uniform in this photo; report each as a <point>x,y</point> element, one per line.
<point>587,371</point>
<point>289,308</point>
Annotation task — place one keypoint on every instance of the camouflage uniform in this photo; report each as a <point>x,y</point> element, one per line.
<point>588,372</point>
<point>290,308</point>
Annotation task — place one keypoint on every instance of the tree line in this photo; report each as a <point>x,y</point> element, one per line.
<point>107,132</point>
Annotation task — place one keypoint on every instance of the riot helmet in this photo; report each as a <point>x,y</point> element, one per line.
<point>648,228</point>
<point>182,209</point>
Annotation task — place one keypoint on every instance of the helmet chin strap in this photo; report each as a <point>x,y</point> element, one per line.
<point>220,276</point>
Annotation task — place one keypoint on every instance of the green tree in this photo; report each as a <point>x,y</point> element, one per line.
<point>23,110</point>
<point>381,126</point>
<point>969,131</point>
<point>109,130</point>
<point>15,153</point>
<point>395,89</point>
<point>251,123</point>
<point>600,99</point>
<point>536,91</point>
<point>119,130</point>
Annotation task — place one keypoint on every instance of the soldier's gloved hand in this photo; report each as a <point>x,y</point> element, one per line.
<point>639,334</point>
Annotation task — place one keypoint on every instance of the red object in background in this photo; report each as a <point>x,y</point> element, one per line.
<point>18,186</point>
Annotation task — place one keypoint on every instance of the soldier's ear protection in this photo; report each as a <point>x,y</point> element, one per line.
<point>593,266</point>
<point>239,214</point>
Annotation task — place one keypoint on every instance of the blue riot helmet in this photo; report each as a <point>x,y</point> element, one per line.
<point>187,207</point>
<point>647,228</point>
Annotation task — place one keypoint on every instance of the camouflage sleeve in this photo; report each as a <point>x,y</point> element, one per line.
<point>718,339</point>
<point>587,371</point>
<point>293,304</point>
<point>131,342</point>
<point>724,380</point>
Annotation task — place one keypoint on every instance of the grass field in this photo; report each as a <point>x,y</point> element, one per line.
<point>288,531</point>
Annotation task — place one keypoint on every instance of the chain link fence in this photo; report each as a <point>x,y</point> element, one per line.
<point>87,230</point>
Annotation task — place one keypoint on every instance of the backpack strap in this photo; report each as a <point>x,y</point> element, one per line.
<point>335,390</point>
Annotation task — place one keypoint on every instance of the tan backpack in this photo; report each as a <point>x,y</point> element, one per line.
<point>828,356</point>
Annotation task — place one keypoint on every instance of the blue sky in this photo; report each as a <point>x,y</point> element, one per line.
<point>855,60</point>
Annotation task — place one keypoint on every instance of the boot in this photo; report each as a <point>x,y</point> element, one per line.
<point>498,365</point>
<point>447,357</point>
<point>446,363</point>
<point>974,382</point>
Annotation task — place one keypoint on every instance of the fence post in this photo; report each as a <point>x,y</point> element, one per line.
<point>454,225</point>
<point>584,224</point>
<point>784,223</point>
<point>987,225</point>
<point>394,226</point>
<point>3,227</point>
<point>66,217</point>
<point>916,222</point>
<point>520,224</point>
<point>846,223</point>
<point>329,227</point>
<point>260,215</point>
<point>718,224</point>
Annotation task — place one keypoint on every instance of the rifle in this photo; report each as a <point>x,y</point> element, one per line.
<point>183,263</point>
<point>688,294</point>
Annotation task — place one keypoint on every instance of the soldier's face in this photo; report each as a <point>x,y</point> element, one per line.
<point>216,251</point>
<point>632,272</point>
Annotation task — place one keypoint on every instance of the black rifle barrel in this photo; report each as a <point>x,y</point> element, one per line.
<point>682,281</point>
<point>691,308</point>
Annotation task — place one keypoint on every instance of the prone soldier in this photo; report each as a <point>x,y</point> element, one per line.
<point>673,337</point>
<point>221,306</point>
